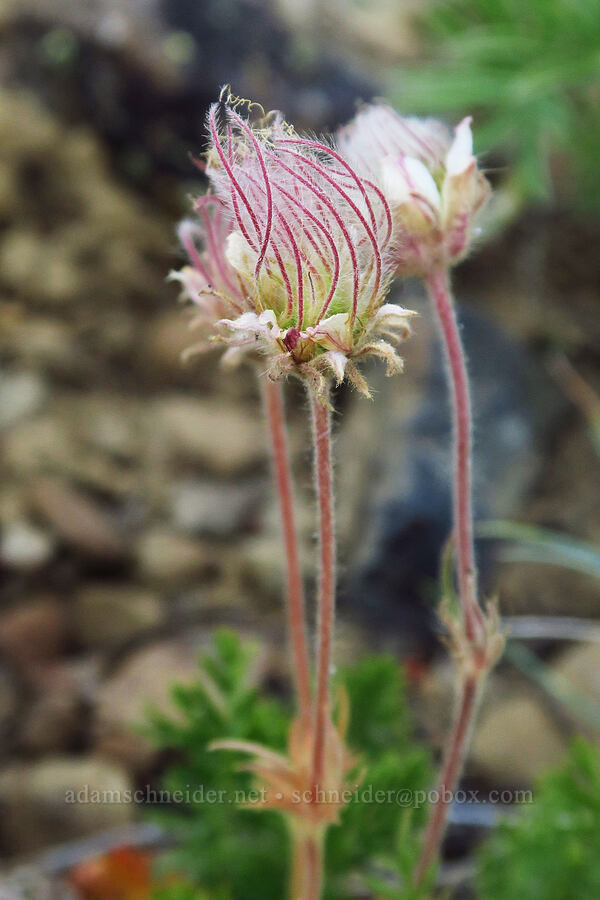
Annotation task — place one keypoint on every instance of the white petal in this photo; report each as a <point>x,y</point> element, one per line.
<point>392,321</point>
<point>393,311</point>
<point>192,282</point>
<point>337,362</point>
<point>268,321</point>
<point>460,154</point>
<point>239,254</point>
<point>405,177</point>
<point>332,333</point>
<point>250,329</point>
<point>248,321</point>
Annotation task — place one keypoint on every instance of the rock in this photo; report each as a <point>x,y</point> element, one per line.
<point>19,257</point>
<point>42,443</point>
<point>34,632</point>
<point>397,521</point>
<point>61,798</point>
<point>109,423</point>
<point>172,54</point>
<point>516,740</point>
<point>101,247</point>
<point>8,699</point>
<point>24,251</point>
<point>52,718</point>
<point>260,568</point>
<point>221,437</point>
<point>78,520</point>
<point>106,615</point>
<point>56,717</point>
<point>22,394</point>
<point>24,547</point>
<point>215,510</point>
<point>9,193</point>
<point>50,725</point>
<point>45,343</point>
<point>539,589</point>
<point>565,504</point>
<point>163,343</point>
<point>27,881</point>
<point>167,557</point>
<point>143,680</point>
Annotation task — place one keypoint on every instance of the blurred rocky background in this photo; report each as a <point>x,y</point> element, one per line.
<point>135,503</point>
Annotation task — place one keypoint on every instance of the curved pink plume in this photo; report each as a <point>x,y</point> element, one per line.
<point>329,206</point>
<point>248,131</point>
<point>320,169</point>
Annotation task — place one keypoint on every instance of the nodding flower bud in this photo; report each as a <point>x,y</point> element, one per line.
<point>288,254</point>
<point>430,180</point>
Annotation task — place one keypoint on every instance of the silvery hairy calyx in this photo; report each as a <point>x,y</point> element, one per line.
<point>291,254</point>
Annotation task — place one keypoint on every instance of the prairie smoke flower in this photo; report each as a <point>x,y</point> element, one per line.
<point>430,180</point>
<point>292,265</point>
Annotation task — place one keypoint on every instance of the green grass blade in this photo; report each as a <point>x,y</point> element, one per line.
<point>532,544</point>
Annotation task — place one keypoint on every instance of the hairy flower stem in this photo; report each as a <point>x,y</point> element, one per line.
<point>473,626</point>
<point>307,864</point>
<point>273,399</point>
<point>439,290</point>
<point>326,602</point>
<point>452,766</point>
<point>315,866</point>
<point>300,875</point>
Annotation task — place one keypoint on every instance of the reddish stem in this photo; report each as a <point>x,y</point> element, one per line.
<point>315,867</point>
<point>450,773</point>
<point>326,607</point>
<point>439,290</point>
<point>300,868</point>
<point>473,625</point>
<point>295,591</point>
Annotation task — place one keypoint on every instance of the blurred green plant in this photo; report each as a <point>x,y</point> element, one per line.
<point>549,851</point>
<point>220,847</point>
<point>530,73</point>
<point>182,891</point>
<point>240,855</point>
<point>531,543</point>
<point>373,833</point>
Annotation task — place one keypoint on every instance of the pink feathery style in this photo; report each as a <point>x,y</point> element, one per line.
<point>209,281</point>
<point>430,179</point>
<point>288,252</point>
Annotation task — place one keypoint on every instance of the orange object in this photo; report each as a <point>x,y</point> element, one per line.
<point>121,874</point>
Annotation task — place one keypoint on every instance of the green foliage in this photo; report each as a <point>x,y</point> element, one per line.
<point>220,845</point>
<point>530,72</point>
<point>179,890</point>
<point>379,712</point>
<point>550,851</point>
<point>394,768</point>
<point>245,853</point>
